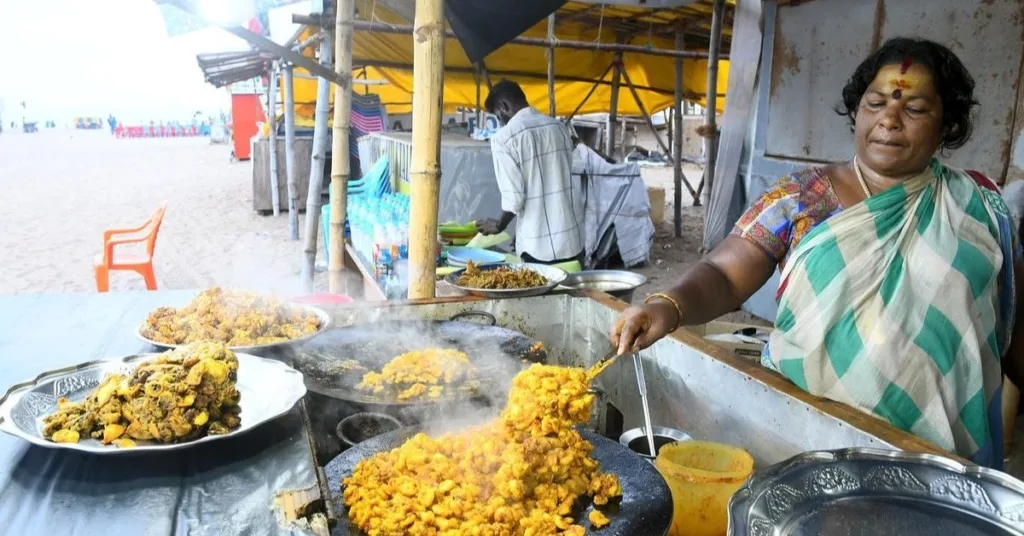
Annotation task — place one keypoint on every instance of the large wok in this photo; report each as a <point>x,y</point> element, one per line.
<point>497,353</point>
<point>646,506</point>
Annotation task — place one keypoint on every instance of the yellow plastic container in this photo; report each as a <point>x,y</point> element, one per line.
<point>702,477</point>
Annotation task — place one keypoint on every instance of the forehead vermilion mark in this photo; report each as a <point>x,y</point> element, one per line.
<point>907,62</point>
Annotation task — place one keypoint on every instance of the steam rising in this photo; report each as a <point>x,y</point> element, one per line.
<point>398,330</point>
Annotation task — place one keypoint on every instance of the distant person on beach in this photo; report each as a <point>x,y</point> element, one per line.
<point>112,122</point>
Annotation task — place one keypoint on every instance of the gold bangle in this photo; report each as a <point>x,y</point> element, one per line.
<point>670,299</point>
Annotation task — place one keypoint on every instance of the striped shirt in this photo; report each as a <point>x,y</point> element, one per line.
<point>533,163</point>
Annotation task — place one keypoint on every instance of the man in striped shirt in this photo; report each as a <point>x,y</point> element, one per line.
<point>533,163</point>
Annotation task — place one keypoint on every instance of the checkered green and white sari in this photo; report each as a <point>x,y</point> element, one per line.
<point>896,306</point>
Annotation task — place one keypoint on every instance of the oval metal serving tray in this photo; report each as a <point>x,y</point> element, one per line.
<point>861,492</point>
<point>269,389</point>
<point>325,324</point>
<point>555,276</point>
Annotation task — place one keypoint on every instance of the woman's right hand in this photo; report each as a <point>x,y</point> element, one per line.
<point>641,326</point>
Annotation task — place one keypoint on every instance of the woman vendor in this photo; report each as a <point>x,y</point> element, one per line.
<point>897,291</point>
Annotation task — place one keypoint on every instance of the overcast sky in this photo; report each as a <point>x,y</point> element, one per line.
<point>96,57</point>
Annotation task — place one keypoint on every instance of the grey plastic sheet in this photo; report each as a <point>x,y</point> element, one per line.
<point>225,487</point>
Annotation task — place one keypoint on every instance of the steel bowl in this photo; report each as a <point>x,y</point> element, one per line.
<point>619,283</point>
<point>554,276</point>
<point>636,439</point>
<point>861,492</point>
<point>355,429</point>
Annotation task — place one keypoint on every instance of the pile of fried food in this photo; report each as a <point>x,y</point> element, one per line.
<point>423,374</point>
<point>234,317</point>
<point>518,475</point>
<point>182,395</point>
<point>502,277</point>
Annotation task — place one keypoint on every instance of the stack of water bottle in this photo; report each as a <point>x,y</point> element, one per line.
<point>380,236</point>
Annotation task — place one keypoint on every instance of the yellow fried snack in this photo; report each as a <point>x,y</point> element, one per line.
<point>423,374</point>
<point>597,519</point>
<point>234,317</point>
<point>502,277</point>
<point>181,395</point>
<point>518,475</point>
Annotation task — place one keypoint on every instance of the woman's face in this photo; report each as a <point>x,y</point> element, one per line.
<point>898,126</point>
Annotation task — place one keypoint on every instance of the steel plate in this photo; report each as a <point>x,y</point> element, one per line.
<point>269,389</point>
<point>555,276</point>
<point>866,492</point>
<point>646,506</point>
<point>325,324</point>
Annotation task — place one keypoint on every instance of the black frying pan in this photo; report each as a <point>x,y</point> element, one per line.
<point>646,506</point>
<point>498,353</point>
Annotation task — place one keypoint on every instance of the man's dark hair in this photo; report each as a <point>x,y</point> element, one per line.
<point>953,83</point>
<point>508,91</point>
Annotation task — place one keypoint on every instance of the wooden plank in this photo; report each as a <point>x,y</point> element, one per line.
<point>711,109</point>
<point>746,59</point>
<point>609,146</point>
<point>370,290</point>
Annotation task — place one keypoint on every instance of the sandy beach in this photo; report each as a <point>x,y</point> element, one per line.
<point>64,187</point>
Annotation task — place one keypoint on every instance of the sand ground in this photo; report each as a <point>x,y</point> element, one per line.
<point>65,187</point>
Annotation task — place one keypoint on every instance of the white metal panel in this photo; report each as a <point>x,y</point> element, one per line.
<point>986,36</point>
<point>817,47</point>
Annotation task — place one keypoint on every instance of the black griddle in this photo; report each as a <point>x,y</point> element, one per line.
<point>646,507</point>
<point>498,354</point>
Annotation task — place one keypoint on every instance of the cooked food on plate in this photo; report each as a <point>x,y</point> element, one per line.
<point>502,277</point>
<point>179,396</point>
<point>234,317</point>
<point>520,474</point>
<point>423,374</point>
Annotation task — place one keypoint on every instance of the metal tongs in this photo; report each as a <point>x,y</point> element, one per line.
<point>641,383</point>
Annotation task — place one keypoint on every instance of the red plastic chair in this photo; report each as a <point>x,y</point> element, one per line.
<point>142,264</point>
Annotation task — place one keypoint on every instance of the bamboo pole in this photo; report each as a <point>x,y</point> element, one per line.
<point>289,152</point>
<point>275,194</point>
<point>677,143</point>
<point>341,161</point>
<point>316,168</point>
<point>478,76</point>
<point>551,65</point>
<point>405,29</point>
<point>487,75</point>
<point>710,141</point>
<point>425,172</point>
<point>613,113</point>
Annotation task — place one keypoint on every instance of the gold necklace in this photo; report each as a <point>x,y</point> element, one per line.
<point>860,178</point>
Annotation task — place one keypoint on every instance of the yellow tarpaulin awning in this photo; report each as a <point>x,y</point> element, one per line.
<point>389,57</point>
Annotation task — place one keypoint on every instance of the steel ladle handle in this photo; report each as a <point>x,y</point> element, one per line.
<point>642,385</point>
